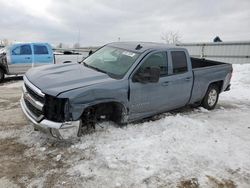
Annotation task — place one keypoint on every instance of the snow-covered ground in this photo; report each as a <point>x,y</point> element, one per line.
<point>185,148</point>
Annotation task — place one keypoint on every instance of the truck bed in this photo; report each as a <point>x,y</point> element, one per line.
<point>199,63</point>
<point>206,72</point>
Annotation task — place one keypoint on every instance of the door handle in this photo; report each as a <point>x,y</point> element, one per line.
<point>165,83</point>
<point>27,57</point>
<point>49,57</point>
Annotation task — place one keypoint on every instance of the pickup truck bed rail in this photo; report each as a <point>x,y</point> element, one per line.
<point>198,63</point>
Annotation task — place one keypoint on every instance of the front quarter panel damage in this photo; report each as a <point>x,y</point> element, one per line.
<point>80,99</point>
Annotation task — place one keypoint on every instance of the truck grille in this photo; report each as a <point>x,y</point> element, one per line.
<point>33,109</point>
<point>34,95</point>
<point>34,100</point>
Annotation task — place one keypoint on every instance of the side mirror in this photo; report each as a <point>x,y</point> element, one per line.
<point>148,75</point>
<point>90,52</point>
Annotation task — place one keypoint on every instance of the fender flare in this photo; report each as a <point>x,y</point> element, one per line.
<point>219,83</point>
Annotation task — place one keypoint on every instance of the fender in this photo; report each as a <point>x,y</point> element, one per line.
<point>78,109</point>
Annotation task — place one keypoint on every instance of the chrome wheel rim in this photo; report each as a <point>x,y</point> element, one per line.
<point>212,97</point>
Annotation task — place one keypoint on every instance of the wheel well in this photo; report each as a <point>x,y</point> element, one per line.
<point>111,111</point>
<point>3,68</point>
<point>219,84</point>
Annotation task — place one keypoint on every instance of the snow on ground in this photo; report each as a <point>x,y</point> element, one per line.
<point>190,144</point>
<point>186,148</point>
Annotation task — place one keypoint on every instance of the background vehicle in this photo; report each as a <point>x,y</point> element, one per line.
<point>18,58</point>
<point>121,82</point>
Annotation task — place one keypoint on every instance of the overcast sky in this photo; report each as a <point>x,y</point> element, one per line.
<point>103,21</point>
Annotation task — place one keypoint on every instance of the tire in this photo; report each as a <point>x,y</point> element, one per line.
<point>1,75</point>
<point>211,98</point>
<point>87,122</point>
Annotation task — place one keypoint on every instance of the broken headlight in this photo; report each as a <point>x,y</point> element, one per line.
<point>54,108</point>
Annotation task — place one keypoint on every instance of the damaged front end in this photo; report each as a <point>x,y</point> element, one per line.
<point>47,113</point>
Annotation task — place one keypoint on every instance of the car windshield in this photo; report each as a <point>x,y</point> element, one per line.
<point>113,61</point>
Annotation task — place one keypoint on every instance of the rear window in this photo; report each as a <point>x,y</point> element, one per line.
<point>179,60</point>
<point>40,49</point>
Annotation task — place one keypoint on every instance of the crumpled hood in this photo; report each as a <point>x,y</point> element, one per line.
<point>56,79</point>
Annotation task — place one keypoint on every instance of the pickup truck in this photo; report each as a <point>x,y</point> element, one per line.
<point>18,58</point>
<point>121,82</point>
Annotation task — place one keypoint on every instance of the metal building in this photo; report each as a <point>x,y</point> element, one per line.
<point>230,52</point>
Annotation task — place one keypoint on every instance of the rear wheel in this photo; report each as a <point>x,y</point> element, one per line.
<point>211,98</point>
<point>1,75</point>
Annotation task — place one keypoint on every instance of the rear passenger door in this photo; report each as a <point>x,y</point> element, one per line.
<point>21,59</point>
<point>180,78</point>
<point>42,55</point>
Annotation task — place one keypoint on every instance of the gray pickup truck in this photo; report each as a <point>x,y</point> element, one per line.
<point>121,82</point>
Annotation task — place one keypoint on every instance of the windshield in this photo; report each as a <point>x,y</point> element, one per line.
<point>113,61</point>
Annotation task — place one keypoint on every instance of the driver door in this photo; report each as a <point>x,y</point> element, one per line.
<point>149,98</point>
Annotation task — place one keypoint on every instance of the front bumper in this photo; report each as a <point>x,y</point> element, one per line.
<point>55,129</point>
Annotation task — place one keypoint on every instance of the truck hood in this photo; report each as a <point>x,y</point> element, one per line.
<point>56,79</point>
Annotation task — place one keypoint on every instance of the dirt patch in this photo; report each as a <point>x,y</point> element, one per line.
<point>155,181</point>
<point>15,164</point>
<point>223,183</point>
<point>190,183</point>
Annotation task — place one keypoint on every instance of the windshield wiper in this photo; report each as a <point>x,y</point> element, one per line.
<point>95,68</point>
<point>99,70</point>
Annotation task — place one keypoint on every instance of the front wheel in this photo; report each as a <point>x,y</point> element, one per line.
<point>211,98</point>
<point>87,122</point>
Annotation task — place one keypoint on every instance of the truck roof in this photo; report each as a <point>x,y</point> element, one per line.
<point>141,47</point>
<point>30,43</point>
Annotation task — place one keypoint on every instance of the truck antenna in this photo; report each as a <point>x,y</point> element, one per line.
<point>138,47</point>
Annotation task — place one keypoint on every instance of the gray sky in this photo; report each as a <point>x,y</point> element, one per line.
<point>103,21</point>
